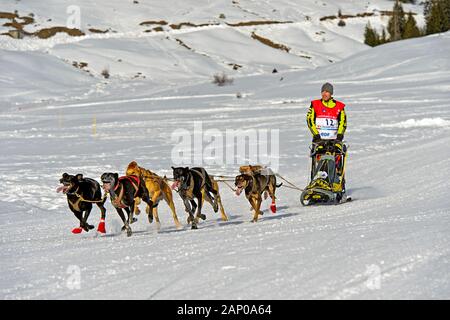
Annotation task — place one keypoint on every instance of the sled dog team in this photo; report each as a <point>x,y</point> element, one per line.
<point>194,185</point>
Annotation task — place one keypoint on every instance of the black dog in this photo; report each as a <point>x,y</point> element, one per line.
<point>194,183</point>
<point>123,191</point>
<point>81,194</point>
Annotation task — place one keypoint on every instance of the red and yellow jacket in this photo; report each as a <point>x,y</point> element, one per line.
<point>327,118</point>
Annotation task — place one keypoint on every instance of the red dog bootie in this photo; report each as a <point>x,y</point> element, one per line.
<point>273,207</point>
<point>77,230</point>
<point>101,226</point>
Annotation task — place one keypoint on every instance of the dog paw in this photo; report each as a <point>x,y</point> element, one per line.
<point>127,229</point>
<point>178,226</point>
<point>87,227</point>
<point>101,227</point>
<point>194,226</point>
<point>273,208</point>
<point>77,230</point>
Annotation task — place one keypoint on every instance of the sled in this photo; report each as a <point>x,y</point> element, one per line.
<point>327,185</point>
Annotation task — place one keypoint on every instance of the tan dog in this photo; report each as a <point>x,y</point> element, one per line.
<point>251,169</point>
<point>255,184</point>
<point>215,186</point>
<point>158,189</point>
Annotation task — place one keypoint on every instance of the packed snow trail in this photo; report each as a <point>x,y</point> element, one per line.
<point>392,242</point>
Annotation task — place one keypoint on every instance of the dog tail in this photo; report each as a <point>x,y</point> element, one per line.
<point>209,183</point>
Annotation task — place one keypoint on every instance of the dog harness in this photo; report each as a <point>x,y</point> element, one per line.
<point>76,204</point>
<point>135,182</point>
<point>188,190</point>
<point>201,176</point>
<point>256,184</point>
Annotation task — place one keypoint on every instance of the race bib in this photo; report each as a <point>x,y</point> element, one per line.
<point>327,128</point>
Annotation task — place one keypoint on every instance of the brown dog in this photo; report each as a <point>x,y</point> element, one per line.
<point>158,189</point>
<point>255,182</point>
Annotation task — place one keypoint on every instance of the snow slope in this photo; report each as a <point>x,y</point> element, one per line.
<point>125,16</point>
<point>391,242</point>
<point>38,76</point>
<point>195,52</point>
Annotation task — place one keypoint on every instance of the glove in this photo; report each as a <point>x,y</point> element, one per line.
<point>316,138</point>
<point>340,137</point>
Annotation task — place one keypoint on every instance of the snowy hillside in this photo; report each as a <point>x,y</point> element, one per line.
<point>392,242</point>
<point>155,43</point>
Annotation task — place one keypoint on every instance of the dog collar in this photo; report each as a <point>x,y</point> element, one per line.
<point>75,192</point>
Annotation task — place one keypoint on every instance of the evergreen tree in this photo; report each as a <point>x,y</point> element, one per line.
<point>426,8</point>
<point>437,16</point>
<point>383,38</point>
<point>411,29</point>
<point>396,24</point>
<point>447,9</point>
<point>371,36</point>
<point>447,12</point>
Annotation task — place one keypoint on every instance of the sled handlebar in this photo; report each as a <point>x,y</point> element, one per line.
<point>328,146</point>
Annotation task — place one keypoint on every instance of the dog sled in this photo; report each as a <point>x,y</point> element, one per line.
<point>327,184</point>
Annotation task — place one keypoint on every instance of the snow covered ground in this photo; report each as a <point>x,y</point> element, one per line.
<point>391,242</point>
